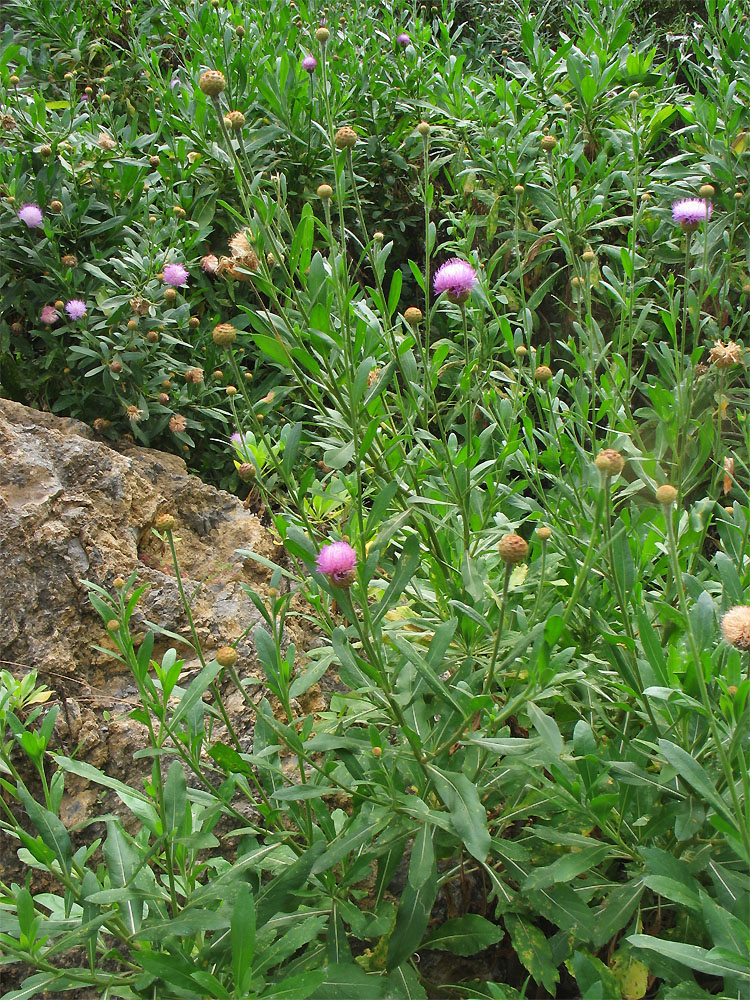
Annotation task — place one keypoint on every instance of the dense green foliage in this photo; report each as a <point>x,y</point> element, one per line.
<point>544,485</point>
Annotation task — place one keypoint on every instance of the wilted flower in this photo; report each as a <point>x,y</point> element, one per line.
<point>176,275</point>
<point>690,212</point>
<point>69,260</point>
<point>210,263</point>
<point>49,315</point>
<point>337,560</point>
<point>403,39</point>
<point>177,423</point>
<point>725,355</point>
<point>134,414</point>
<point>32,215</point>
<point>75,308</point>
<point>457,278</point>
<point>309,64</point>
<point>194,376</point>
<point>735,626</point>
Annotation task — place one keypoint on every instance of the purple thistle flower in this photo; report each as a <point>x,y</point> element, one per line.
<point>457,278</point>
<point>176,275</point>
<point>337,560</point>
<point>309,63</point>
<point>403,39</point>
<point>174,82</point>
<point>76,308</point>
<point>32,215</point>
<point>690,212</point>
<point>49,315</point>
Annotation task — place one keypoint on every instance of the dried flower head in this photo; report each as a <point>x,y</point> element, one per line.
<point>177,423</point>
<point>690,212</point>
<point>194,376</point>
<point>338,561</point>
<point>75,308</point>
<point>725,355</point>
<point>69,260</point>
<point>106,141</point>
<point>134,414</point>
<point>100,424</point>
<point>176,275</point>
<point>735,626</point>
<point>31,215</point>
<point>55,207</point>
<point>345,138</point>
<point>212,82</point>
<point>210,263</point>
<point>728,473</point>
<point>457,278</point>
<point>513,549</point>
<point>49,315</point>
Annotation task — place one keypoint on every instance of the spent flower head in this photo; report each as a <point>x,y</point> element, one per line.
<point>337,561</point>
<point>49,315</point>
<point>735,626</point>
<point>457,278</point>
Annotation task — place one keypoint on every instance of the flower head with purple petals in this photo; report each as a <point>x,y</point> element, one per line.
<point>338,561</point>
<point>75,308</point>
<point>403,39</point>
<point>690,212</point>
<point>49,315</point>
<point>32,215</point>
<point>457,278</point>
<point>176,275</point>
<point>309,64</point>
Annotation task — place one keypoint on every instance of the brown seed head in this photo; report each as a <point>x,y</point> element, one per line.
<point>725,355</point>
<point>132,324</point>
<point>609,462</point>
<point>666,495</point>
<point>194,376</point>
<point>177,423</point>
<point>735,626</point>
<point>543,373</point>
<point>115,366</point>
<point>194,322</point>
<point>113,625</point>
<point>513,549</point>
<point>224,334</point>
<point>106,141</point>
<point>212,82</point>
<point>170,294</point>
<point>152,336</point>
<point>345,138</point>
<point>163,398</point>
<point>413,316</point>
<point>210,263</point>
<point>239,31</point>
<point>377,751</point>
<point>100,424</point>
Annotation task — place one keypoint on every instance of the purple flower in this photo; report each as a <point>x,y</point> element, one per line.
<point>76,308</point>
<point>49,315</point>
<point>31,215</point>
<point>457,278</point>
<point>403,39</point>
<point>84,99</point>
<point>309,63</point>
<point>176,275</point>
<point>690,212</point>
<point>174,82</point>
<point>337,561</point>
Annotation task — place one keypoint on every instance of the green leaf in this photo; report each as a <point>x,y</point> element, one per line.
<point>567,867</point>
<point>693,773</point>
<point>195,691</point>
<point>49,827</point>
<point>422,861</point>
<point>546,727</point>
<point>533,950</point>
<point>662,885</point>
<point>243,940</point>
<point>616,910</point>
<point>412,915</point>
<point>295,987</point>
<point>465,935</point>
<point>467,813</point>
<point>711,962</point>
<point>175,798</point>
<point>272,348</point>
<point>345,982</point>
<point>122,860</point>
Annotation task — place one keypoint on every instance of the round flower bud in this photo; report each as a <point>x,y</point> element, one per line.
<point>231,390</point>
<point>588,256</point>
<point>246,472</point>
<point>345,138</point>
<point>170,294</point>
<point>218,374</point>
<point>68,77</point>
<point>55,207</point>
<point>194,322</point>
<point>105,98</point>
<point>224,334</point>
<point>154,161</point>
<point>113,625</point>
<point>424,129</point>
<point>377,752</point>
<point>543,533</point>
<point>521,351</point>
<point>115,366</point>
<point>59,304</point>
<point>322,35</point>
<point>226,656</point>
<point>14,80</point>
<point>378,237</point>
<point>738,196</point>
<point>132,324</point>
<point>164,522</point>
<point>576,282</point>
<point>633,96</point>
<point>609,462</point>
<point>239,31</point>
<point>666,495</point>
<point>548,143</point>
<point>163,398</point>
<point>543,373</point>
<point>69,260</point>
<point>325,191</point>
<point>179,211</point>
<point>152,337</point>
<point>118,583</point>
<point>46,150</point>
<point>413,316</point>
<point>706,191</point>
<point>518,190</point>
<point>735,626</point>
<point>212,82</point>
<point>236,120</point>
<point>513,549</point>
